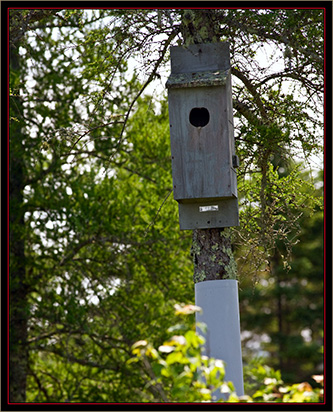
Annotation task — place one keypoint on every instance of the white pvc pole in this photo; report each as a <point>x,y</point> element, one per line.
<point>220,312</point>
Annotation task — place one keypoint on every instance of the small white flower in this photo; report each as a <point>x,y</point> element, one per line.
<point>166,348</point>
<point>218,363</point>
<point>268,381</point>
<point>224,388</point>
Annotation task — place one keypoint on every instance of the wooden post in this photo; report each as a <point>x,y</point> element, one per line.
<point>215,271</point>
<point>200,26</point>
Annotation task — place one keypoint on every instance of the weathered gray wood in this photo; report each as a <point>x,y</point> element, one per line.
<point>202,144</point>
<point>220,213</point>
<point>201,156</point>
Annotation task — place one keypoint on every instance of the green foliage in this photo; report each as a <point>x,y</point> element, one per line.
<point>282,305</point>
<point>264,384</point>
<point>179,372</point>
<point>177,369</point>
<point>271,214</point>
<point>116,278</point>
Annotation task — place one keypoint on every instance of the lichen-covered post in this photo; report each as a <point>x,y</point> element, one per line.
<point>212,255</point>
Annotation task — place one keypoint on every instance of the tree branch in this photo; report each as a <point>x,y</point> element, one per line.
<point>276,37</point>
<point>80,361</point>
<point>245,111</point>
<point>19,22</point>
<point>155,388</point>
<point>253,90</point>
<point>149,80</point>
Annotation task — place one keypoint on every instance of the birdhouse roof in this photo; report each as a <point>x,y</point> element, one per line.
<point>198,79</point>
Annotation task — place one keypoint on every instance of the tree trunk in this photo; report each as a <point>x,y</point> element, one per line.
<point>18,290</point>
<point>279,309</point>
<point>211,248</point>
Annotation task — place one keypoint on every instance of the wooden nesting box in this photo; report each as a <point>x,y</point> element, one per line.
<point>202,136</point>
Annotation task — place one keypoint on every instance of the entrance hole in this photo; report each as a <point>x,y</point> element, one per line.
<point>199,117</point>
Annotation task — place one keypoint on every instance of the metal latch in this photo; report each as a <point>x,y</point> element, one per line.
<point>235,161</point>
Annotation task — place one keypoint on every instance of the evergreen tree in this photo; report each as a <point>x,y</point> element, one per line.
<point>282,305</point>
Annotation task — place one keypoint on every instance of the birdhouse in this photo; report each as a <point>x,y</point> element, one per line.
<point>202,136</point>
